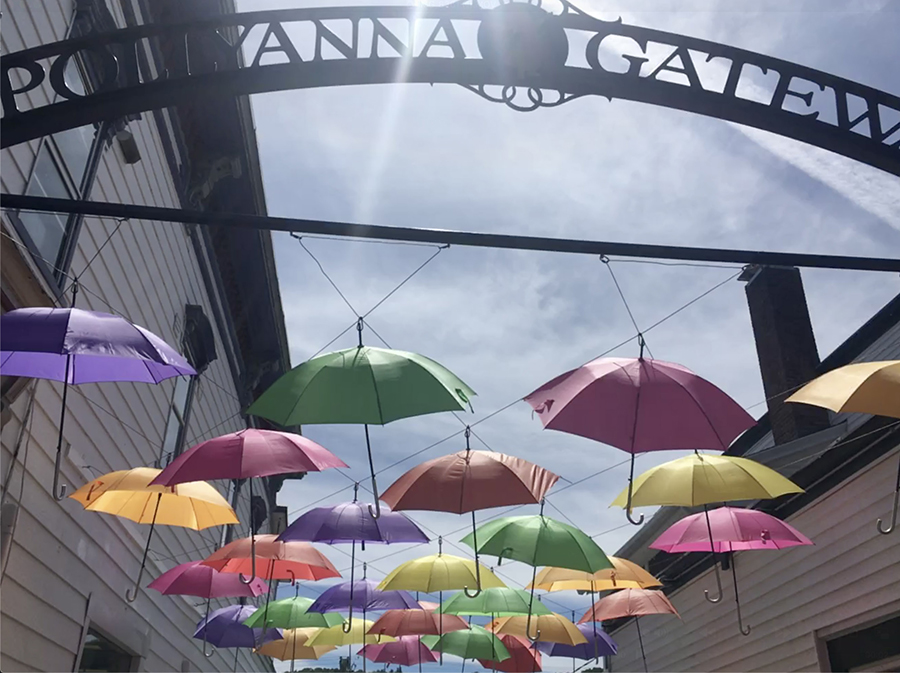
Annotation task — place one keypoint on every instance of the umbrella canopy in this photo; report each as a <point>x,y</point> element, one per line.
<point>225,628</point>
<point>361,596</point>
<point>551,628</point>
<point>624,574</point>
<point>194,579</point>
<point>351,521</point>
<point>248,453</point>
<point>466,481</point>
<point>279,560</point>
<point>362,385</point>
<point>638,405</point>
<point>293,646</point>
<point>438,572</point>
<point>473,643</point>
<point>292,613</point>
<point>78,346</point>
<point>629,603</point>
<point>357,635</point>
<point>699,479</point>
<point>405,651</point>
<point>598,644</point>
<point>522,657</point>
<point>732,529</point>
<point>493,602</point>
<point>128,493</point>
<point>416,623</point>
<point>539,541</point>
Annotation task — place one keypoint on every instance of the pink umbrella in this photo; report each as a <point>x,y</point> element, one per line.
<point>639,405</point>
<point>405,651</point>
<point>246,454</point>
<point>729,529</point>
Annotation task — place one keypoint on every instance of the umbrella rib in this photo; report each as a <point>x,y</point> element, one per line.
<point>700,407</point>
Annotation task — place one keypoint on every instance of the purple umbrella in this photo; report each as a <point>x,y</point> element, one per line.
<point>224,628</point>
<point>598,644</point>
<point>76,346</point>
<point>362,596</point>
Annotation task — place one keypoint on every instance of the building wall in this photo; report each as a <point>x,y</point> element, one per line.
<point>62,557</point>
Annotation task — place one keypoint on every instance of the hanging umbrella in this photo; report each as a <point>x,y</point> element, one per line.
<point>419,622</point>
<point>363,597</point>
<point>474,643</point>
<point>493,603</point>
<point>700,479</point>
<point>76,346</point>
<point>362,385</point>
<point>597,644</point>
<point>522,657</point>
<point>352,522</point>
<point>428,606</point>
<point>293,646</point>
<point>630,603</point>
<point>640,405</point>
<point>281,560</point>
<point>553,628</point>
<point>863,388</point>
<point>467,481</point>
<point>358,635</point>
<point>293,613</point>
<point>405,651</point>
<point>128,493</point>
<point>246,454</point>
<point>730,529</point>
<point>623,575</point>
<point>224,628</point>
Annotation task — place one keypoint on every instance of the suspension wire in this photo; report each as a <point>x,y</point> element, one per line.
<point>605,260</point>
<point>119,222</point>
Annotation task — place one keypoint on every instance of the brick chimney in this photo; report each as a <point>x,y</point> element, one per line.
<point>786,347</point>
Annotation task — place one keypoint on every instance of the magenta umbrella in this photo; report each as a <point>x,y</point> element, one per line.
<point>729,529</point>
<point>639,405</point>
<point>76,346</point>
<point>405,651</point>
<point>194,579</point>
<point>245,454</point>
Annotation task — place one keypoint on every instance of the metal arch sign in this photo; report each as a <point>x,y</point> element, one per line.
<point>527,56</point>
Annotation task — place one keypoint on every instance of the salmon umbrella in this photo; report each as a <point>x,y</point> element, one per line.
<point>246,454</point>
<point>362,385</point>
<point>522,657</point>
<point>554,628</point>
<point>280,560</point>
<point>405,651</point>
<point>639,405</point>
<point>630,603</point>
<point>129,494</point>
<point>416,622</point>
<point>77,346</point>
<point>623,575</point>
<point>467,481</point>
<point>864,388</point>
<point>700,479</point>
<point>730,529</point>
<point>293,646</point>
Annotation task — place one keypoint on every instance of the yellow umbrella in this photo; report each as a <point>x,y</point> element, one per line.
<point>127,493</point>
<point>293,646</point>
<point>623,575</point>
<point>699,479</point>
<point>439,572</point>
<point>552,628</point>
<point>335,635</point>
<point>864,388</point>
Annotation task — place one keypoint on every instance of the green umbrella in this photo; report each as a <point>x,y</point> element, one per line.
<point>472,643</point>
<point>362,385</point>
<point>292,613</point>
<point>496,602</point>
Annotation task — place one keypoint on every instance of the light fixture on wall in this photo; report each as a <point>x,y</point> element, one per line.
<point>128,145</point>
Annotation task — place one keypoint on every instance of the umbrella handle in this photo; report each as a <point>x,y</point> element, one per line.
<point>718,586</point>
<point>241,577</point>
<point>745,631</point>
<point>889,529</point>
<point>475,546</point>
<point>293,578</point>
<point>129,596</point>
<point>59,490</point>
<point>712,547</point>
<point>640,519</point>
<point>376,512</point>
<point>211,652</point>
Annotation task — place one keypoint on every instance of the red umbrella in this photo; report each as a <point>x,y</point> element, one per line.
<point>630,603</point>
<point>416,623</point>
<point>246,454</point>
<point>405,651</point>
<point>467,481</point>
<point>639,405</point>
<point>280,560</point>
<point>523,658</point>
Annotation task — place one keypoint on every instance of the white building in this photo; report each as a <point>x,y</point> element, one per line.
<point>211,294</point>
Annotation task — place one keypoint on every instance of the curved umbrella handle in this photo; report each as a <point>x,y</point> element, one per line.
<point>376,512</point>
<point>712,547</point>
<point>130,596</point>
<point>537,635</point>
<point>241,577</point>
<point>718,586</point>
<point>213,651</point>
<point>293,578</point>
<point>59,490</point>
<point>477,591</point>
<point>745,631</point>
<point>628,510</point>
<point>348,625</point>
<point>890,529</point>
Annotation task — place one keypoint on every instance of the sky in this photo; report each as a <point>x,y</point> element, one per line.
<point>506,322</point>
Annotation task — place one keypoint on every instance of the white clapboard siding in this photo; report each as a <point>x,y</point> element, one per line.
<point>786,595</point>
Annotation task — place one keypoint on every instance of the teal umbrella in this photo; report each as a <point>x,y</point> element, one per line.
<point>362,385</point>
<point>292,613</point>
<point>496,602</point>
<point>472,643</point>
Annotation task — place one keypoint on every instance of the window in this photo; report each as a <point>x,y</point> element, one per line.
<point>179,411</point>
<point>876,648</point>
<point>101,654</point>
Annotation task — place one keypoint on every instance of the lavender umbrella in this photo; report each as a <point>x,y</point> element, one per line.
<point>224,628</point>
<point>76,346</point>
<point>362,596</point>
<point>598,644</point>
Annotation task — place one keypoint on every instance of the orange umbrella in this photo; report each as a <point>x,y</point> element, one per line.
<point>416,623</point>
<point>630,603</point>
<point>522,657</point>
<point>279,560</point>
